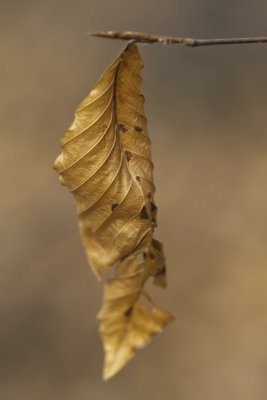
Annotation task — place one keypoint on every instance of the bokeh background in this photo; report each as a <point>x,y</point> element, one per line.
<point>208,124</point>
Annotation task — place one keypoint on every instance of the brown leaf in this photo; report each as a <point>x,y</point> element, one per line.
<point>106,164</point>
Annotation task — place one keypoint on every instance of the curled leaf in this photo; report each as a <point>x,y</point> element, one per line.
<point>106,164</point>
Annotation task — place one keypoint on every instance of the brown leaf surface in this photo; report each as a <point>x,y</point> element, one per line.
<point>106,164</point>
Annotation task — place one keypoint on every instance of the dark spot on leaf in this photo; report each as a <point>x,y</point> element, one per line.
<point>122,128</point>
<point>154,222</point>
<point>104,127</point>
<point>144,254</point>
<point>153,206</point>
<point>138,178</point>
<point>157,245</point>
<point>138,129</point>
<point>152,256</point>
<point>113,206</point>
<point>149,195</point>
<point>161,271</point>
<point>128,155</point>
<point>144,214</point>
<point>128,312</point>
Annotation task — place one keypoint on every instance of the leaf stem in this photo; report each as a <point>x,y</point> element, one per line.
<point>141,37</point>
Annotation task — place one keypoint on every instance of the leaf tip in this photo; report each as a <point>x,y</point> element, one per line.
<point>113,365</point>
<point>116,359</point>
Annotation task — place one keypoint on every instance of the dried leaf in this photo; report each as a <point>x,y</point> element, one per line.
<point>106,164</point>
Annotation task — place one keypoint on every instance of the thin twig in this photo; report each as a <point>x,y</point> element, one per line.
<point>141,37</point>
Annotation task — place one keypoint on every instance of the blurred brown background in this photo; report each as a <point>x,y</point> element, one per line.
<point>208,123</point>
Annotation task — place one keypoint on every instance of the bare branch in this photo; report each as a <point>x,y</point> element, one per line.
<point>141,37</point>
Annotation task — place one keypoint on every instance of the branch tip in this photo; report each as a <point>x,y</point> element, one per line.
<point>141,37</point>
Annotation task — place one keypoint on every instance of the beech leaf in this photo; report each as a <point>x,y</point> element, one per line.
<point>106,164</point>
